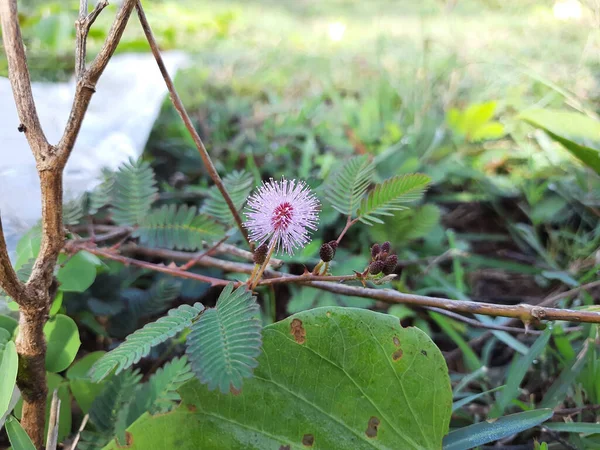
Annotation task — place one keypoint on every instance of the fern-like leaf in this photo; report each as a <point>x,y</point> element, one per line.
<point>390,195</point>
<point>177,227</point>
<point>117,392</point>
<point>73,211</point>
<point>134,191</point>
<point>238,185</point>
<point>140,304</point>
<point>159,394</point>
<point>139,344</point>
<point>223,345</point>
<point>348,186</point>
<point>102,195</point>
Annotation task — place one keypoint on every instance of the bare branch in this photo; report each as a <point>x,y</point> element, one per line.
<point>86,85</point>
<point>8,277</point>
<point>523,312</point>
<point>224,248</point>
<point>178,104</point>
<point>18,73</point>
<point>170,270</point>
<point>83,25</point>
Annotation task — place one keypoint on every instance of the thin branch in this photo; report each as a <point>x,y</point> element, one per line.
<point>18,73</point>
<point>192,262</point>
<point>9,281</point>
<point>81,39</point>
<point>349,223</point>
<point>52,439</point>
<point>83,25</point>
<point>178,104</point>
<point>86,85</point>
<point>223,248</point>
<point>477,324</point>
<point>548,301</point>
<point>173,271</point>
<point>522,312</point>
<point>78,435</point>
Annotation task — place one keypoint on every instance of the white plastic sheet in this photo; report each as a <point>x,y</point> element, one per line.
<point>117,125</point>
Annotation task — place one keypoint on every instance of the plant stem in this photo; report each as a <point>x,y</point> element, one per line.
<point>31,378</point>
<point>178,104</point>
<point>263,266</point>
<point>349,223</point>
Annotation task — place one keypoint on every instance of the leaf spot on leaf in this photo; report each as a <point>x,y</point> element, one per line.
<point>128,441</point>
<point>284,447</point>
<point>308,439</point>
<point>234,391</point>
<point>372,427</point>
<point>191,408</point>
<point>423,352</point>
<point>397,355</point>
<point>298,331</point>
<point>396,341</point>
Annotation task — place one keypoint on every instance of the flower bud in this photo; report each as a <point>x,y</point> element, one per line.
<point>375,250</point>
<point>326,252</point>
<point>260,254</point>
<point>390,264</point>
<point>376,267</point>
<point>385,247</point>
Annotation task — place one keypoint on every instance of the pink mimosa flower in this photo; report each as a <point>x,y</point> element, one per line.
<point>282,212</point>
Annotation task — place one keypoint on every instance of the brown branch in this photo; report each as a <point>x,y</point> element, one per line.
<point>86,85</point>
<point>9,281</point>
<point>522,312</point>
<point>477,342</point>
<point>349,223</point>
<point>83,25</point>
<point>477,324</point>
<point>223,248</point>
<point>178,104</point>
<point>18,74</point>
<point>173,271</point>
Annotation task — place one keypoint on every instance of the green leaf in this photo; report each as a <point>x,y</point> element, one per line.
<point>19,440</point>
<point>78,273</point>
<point>9,324</point>
<point>82,387</point>
<point>57,382</point>
<point>238,185</point>
<point>134,191</point>
<point>471,398</point>
<point>345,189</point>
<point>224,343</point>
<point>117,393</point>
<point>488,132</point>
<point>517,373</point>
<point>390,196</point>
<point>159,394</point>
<point>558,390</point>
<point>574,427</point>
<point>139,344</point>
<point>330,378</point>
<point>484,432</point>
<point>471,359</point>
<point>575,131</point>
<point>177,227</point>
<point>63,341</point>
<point>73,211</point>
<point>102,195</point>
<point>9,363</point>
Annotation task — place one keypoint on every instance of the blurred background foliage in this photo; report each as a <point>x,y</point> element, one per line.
<point>295,88</point>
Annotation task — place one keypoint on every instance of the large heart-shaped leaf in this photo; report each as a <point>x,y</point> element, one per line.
<point>328,378</point>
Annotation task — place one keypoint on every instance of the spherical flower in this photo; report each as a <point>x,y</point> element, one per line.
<point>282,213</point>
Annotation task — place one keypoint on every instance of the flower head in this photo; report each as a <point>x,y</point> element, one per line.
<point>282,213</point>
